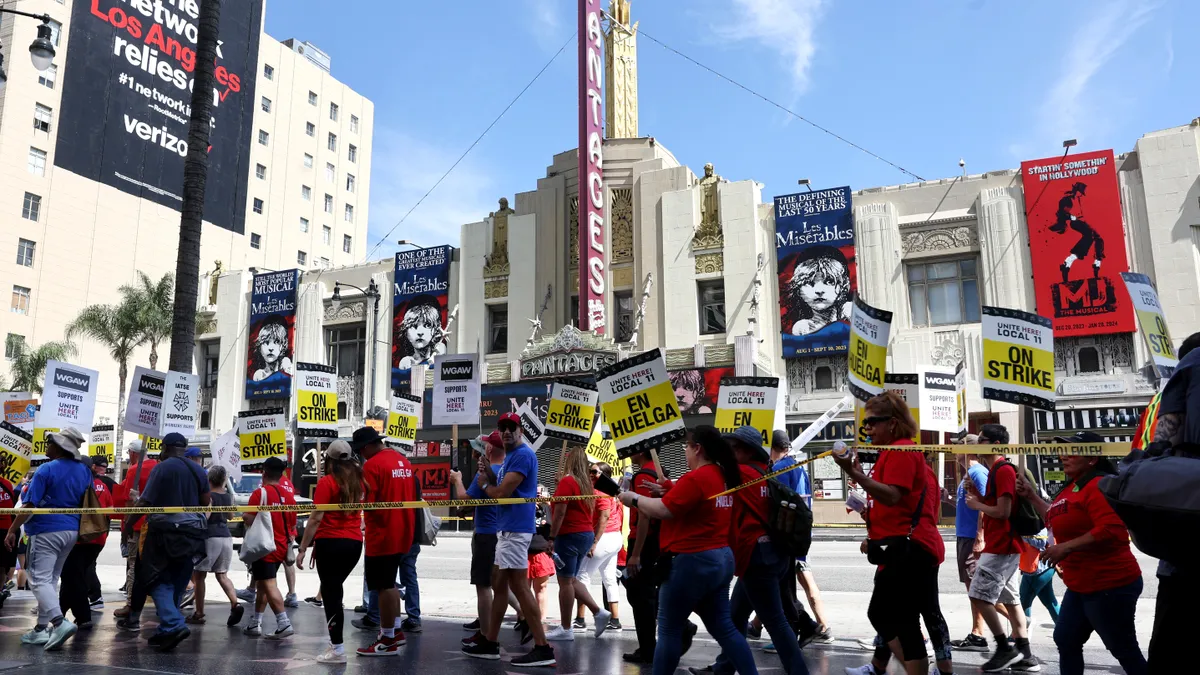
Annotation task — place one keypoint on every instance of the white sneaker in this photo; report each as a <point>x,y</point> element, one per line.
<point>602,618</point>
<point>330,656</point>
<point>35,637</point>
<point>866,643</point>
<point>281,633</point>
<point>57,635</point>
<point>560,634</point>
<point>861,670</point>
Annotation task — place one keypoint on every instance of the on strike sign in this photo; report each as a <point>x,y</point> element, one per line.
<point>262,435</point>
<point>1018,357</point>
<point>316,400</point>
<point>1154,323</point>
<point>572,410</point>
<point>403,420</point>
<point>639,403</point>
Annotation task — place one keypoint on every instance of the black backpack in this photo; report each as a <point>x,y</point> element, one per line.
<point>1158,498</point>
<point>789,520</point>
<point>1023,519</point>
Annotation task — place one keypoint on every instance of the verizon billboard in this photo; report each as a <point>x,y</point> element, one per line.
<point>592,257</point>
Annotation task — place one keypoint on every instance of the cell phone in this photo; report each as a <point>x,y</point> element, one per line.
<point>607,485</point>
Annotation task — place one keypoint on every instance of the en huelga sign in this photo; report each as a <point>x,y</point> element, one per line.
<point>638,403</point>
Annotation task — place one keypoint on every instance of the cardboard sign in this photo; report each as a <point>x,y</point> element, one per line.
<point>21,411</point>
<point>180,402</point>
<point>403,421</point>
<point>143,410</point>
<point>38,456</point>
<point>601,449</point>
<point>869,331</point>
<point>532,429</point>
<point>433,476</point>
<point>226,451</point>
<point>456,389</point>
<point>261,434</point>
<point>639,403</point>
<point>1018,357</point>
<point>960,384</point>
<point>1154,323</point>
<point>572,410</point>
<point>68,396</point>
<point>16,451</point>
<point>748,401</point>
<point>938,396</point>
<point>151,444</point>
<point>316,400</point>
<point>102,443</point>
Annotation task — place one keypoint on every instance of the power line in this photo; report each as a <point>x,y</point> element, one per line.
<point>778,105</point>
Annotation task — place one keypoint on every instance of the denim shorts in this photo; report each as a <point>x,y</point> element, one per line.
<point>572,550</point>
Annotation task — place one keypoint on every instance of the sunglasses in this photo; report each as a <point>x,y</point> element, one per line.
<point>507,426</point>
<point>875,419</point>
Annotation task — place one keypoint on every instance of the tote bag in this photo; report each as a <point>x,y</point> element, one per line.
<point>259,541</point>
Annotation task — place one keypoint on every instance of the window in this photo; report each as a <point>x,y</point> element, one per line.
<point>258,206</point>
<point>943,292</point>
<point>346,349</point>
<point>31,209</point>
<point>304,224</point>
<point>20,299</point>
<point>308,161</point>
<point>330,172</point>
<point>312,98</point>
<point>55,31</point>
<point>333,111</point>
<point>37,162</point>
<point>263,137</point>
<point>324,262</point>
<point>212,363</point>
<point>353,154</point>
<point>255,240</point>
<point>49,77</point>
<point>328,203</point>
<point>574,310</point>
<point>349,182</point>
<point>349,217</point>
<point>306,192</point>
<point>326,235</point>
<point>497,329</point>
<point>712,306</point>
<point>625,315</point>
<point>42,115</point>
<point>354,123</point>
<point>266,104</point>
<point>1089,360</point>
<point>25,251</point>
<point>268,71</point>
<point>260,171</point>
<point>331,143</point>
<point>823,378</point>
<point>347,243</point>
<point>301,258</point>
<point>13,344</point>
<point>310,129</point>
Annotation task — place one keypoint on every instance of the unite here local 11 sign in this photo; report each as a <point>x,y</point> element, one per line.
<point>1018,357</point>
<point>869,331</point>
<point>747,402</point>
<point>68,397</point>
<point>639,404</point>
<point>456,389</point>
<point>262,435</point>
<point>403,421</point>
<point>572,410</point>
<point>143,410</point>
<point>316,400</point>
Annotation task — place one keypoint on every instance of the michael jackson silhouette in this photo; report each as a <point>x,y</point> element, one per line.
<point>1070,213</point>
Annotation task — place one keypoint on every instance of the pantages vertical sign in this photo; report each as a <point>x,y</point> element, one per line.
<point>592,258</point>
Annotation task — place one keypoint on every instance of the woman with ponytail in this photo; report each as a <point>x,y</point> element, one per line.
<point>696,562</point>
<point>572,534</point>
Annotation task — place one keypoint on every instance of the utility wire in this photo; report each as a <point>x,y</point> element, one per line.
<point>777,105</point>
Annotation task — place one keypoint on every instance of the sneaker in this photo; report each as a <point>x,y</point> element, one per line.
<point>1029,665</point>
<point>1002,659</point>
<point>235,616</point>
<point>360,609</point>
<point>867,644</point>
<point>253,630</point>
<point>578,625</point>
<point>700,670</point>
<point>330,656</point>
<point>35,637</point>
<point>770,648</point>
<point>473,640</point>
<point>364,624</point>
<point>410,626</point>
<point>170,641</point>
<point>473,626</point>
<point>59,635</point>
<point>245,595</point>
<point>539,657</point>
<point>290,600</point>
<point>824,636</point>
<point>560,634</point>
<point>520,625</point>
<point>636,656</point>
<point>614,624</point>
<point>382,646</point>
<point>602,619</point>
<point>862,670</point>
<point>84,625</point>
<point>483,649</point>
<point>753,633</point>
<point>98,603</point>
<point>971,643</point>
<point>313,601</point>
<point>281,633</point>
<point>189,597</point>
<point>129,626</point>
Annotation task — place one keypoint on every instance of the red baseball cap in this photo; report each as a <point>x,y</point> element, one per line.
<point>510,417</point>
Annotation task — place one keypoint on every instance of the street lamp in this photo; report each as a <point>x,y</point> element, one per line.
<point>804,182</point>
<point>41,50</point>
<point>371,291</point>
<point>406,242</point>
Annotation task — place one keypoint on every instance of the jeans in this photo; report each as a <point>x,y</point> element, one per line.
<point>757,590</point>
<point>408,580</point>
<point>1174,616</point>
<point>699,582</point>
<point>1110,614</point>
<point>44,562</point>
<point>1040,586</point>
<point>168,593</point>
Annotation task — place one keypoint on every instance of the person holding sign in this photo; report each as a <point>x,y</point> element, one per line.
<point>572,534</point>
<point>488,449</point>
<point>695,545</point>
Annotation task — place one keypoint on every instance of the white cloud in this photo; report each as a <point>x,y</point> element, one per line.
<point>546,22</point>
<point>784,26</point>
<point>403,169</point>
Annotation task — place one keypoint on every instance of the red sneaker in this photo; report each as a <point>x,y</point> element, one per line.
<point>474,639</point>
<point>383,646</point>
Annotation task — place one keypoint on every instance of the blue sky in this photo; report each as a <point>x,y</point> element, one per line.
<point>921,83</point>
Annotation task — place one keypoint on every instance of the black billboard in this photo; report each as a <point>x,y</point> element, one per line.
<point>127,98</point>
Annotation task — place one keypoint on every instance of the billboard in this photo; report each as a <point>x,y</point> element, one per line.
<point>269,366</point>
<point>420,297</point>
<point>814,247</point>
<point>127,93</point>
<point>1077,243</point>
<point>697,389</point>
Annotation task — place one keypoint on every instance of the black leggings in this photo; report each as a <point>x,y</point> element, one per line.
<point>901,595</point>
<point>73,585</point>
<point>336,559</point>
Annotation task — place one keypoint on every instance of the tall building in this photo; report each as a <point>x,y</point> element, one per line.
<point>91,157</point>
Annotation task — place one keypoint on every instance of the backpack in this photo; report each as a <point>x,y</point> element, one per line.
<point>1023,520</point>
<point>1159,500</point>
<point>425,525</point>
<point>789,520</point>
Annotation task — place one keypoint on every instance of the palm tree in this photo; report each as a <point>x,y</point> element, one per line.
<point>153,302</point>
<point>29,365</point>
<point>195,177</point>
<point>119,329</point>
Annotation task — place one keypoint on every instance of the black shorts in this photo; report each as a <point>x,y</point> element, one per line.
<point>261,570</point>
<point>483,557</point>
<point>380,571</point>
<point>8,559</point>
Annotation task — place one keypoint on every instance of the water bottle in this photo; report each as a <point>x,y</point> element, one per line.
<point>839,449</point>
<point>627,480</point>
<point>558,562</point>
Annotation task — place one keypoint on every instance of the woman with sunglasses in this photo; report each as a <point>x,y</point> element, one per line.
<point>572,533</point>
<point>1091,552</point>
<point>602,559</point>
<point>901,540</point>
<point>696,561</point>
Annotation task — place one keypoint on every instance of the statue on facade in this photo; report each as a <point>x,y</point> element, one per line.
<point>212,282</point>
<point>496,264</point>
<point>708,235</point>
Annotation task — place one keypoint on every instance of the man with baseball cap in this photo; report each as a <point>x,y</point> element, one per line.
<point>489,451</point>
<point>59,483</point>
<point>517,478</point>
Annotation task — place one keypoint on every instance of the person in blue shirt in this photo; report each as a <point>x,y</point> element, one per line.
<point>970,540</point>
<point>483,540</point>
<point>60,483</point>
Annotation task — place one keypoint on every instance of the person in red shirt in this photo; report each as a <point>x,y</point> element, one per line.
<point>901,536</point>
<point>289,570</point>
<point>998,570</point>
<point>1091,551</point>
<point>336,538</point>
<point>603,559</point>
<point>695,539</point>
<point>81,564</point>
<point>131,530</point>
<point>265,570</point>
<point>572,533</point>
<point>387,477</point>
<point>8,557</point>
